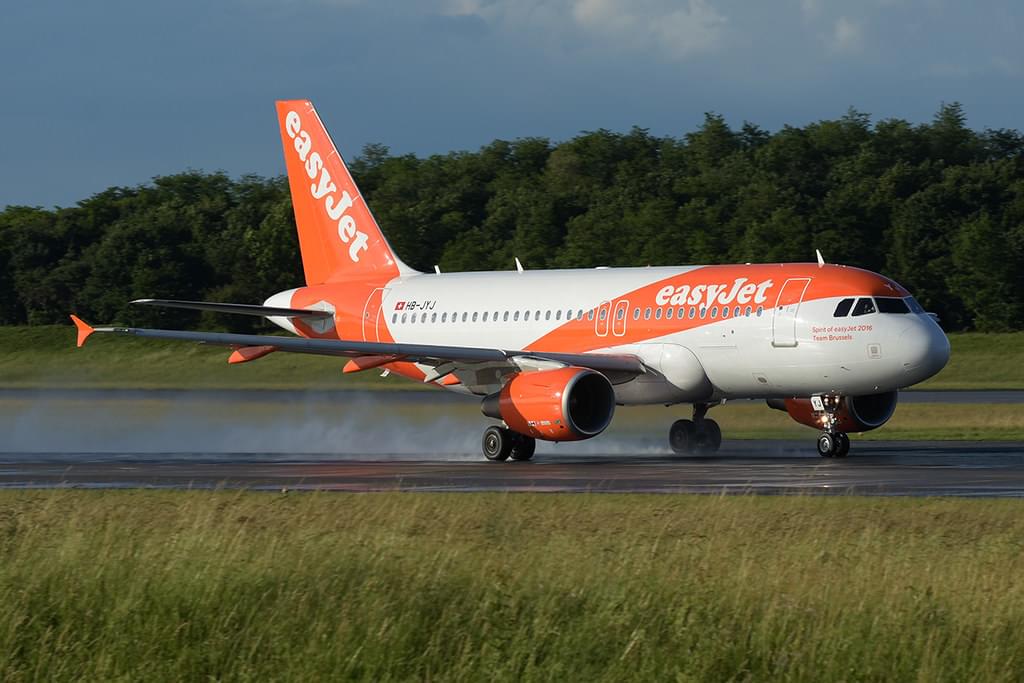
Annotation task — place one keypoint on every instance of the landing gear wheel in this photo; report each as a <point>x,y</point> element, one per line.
<point>827,445</point>
<point>523,447</point>
<point>710,440</point>
<point>842,445</point>
<point>682,436</point>
<point>497,444</point>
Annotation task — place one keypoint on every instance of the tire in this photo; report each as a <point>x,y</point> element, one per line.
<point>682,437</point>
<point>523,448</point>
<point>497,444</point>
<point>827,445</point>
<point>842,445</point>
<point>711,440</point>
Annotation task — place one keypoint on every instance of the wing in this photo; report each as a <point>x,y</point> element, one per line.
<point>483,368</point>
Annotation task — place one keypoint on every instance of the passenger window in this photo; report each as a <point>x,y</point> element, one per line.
<point>464,314</point>
<point>647,313</point>
<point>536,315</point>
<point>864,306</point>
<point>590,314</point>
<point>485,317</point>
<point>568,314</point>
<point>620,314</point>
<point>474,316</point>
<point>760,310</point>
<point>746,311</point>
<point>668,313</point>
<point>843,308</point>
<point>526,316</point>
<point>403,317</point>
<point>714,311</point>
<point>444,317</point>
<point>558,314</point>
<point>703,312</point>
<point>515,316</point>
<point>412,318</point>
<point>736,312</point>
<point>394,318</point>
<point>725,311</point>
<point>504,318</point>
<point>693,312</point>
<point>682,312</point>
<point>887,304</point>
<point>636,313</point>
<point>579,314</point>
<point>657,314</point>
<point>433,317</point>
<point>547,316</point>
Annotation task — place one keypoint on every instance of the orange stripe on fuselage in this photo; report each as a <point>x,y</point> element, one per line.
<point>827,281</point>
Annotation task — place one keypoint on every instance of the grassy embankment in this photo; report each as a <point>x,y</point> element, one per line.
<point>193,586</point>
<point>46,357</point>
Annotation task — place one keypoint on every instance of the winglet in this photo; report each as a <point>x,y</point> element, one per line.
<point>84,329</point>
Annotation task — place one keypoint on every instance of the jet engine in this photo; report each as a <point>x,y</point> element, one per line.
<point>854,414</point>
<point>566,404</point>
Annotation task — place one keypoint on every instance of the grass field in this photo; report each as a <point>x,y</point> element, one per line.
<point>45,356</point>
<point>200,586</point>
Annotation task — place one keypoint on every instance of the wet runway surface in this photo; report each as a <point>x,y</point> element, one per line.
<point>989,469</point>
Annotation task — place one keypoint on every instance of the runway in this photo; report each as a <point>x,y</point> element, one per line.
<point>893,468</point>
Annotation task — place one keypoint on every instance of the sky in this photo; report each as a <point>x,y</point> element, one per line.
<point>115,92</point>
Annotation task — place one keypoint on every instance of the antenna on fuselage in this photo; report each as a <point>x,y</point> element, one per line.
<point>519,266</point>
<point>437,269</point>
<point>821,259</point>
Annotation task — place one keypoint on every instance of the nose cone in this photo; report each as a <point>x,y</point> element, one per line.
<point>924,350</point>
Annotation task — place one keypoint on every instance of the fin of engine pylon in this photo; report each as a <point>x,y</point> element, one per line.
<point>338,236</point>
<point>244,354</point>
<point>84,330</point>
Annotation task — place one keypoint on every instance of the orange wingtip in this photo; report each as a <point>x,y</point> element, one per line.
<point>84,329</point>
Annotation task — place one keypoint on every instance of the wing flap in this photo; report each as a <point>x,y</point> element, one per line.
<point>241,309</point>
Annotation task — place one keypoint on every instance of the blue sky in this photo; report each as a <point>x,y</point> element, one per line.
<point>96,94</point>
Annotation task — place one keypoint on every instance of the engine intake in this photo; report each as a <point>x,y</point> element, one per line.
<point>567,404</point>
<point>855,413</point>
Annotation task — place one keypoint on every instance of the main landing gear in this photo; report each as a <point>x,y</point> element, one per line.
<point>699,435</point>
<point>832,443</point>
<point>500,444</point>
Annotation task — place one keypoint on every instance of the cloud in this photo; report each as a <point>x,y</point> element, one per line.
<point>669,29</point>
<point>847,36</point>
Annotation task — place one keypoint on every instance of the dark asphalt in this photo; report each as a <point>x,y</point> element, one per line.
<point>988,469</point>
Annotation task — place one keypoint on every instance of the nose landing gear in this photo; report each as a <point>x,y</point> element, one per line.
<point>832,443</point>
<point>835,445</point>
<point>699,435</point>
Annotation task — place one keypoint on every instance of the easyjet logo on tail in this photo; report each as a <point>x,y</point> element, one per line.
<point>323,188</point>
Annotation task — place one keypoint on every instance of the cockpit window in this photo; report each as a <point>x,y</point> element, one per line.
<point>864,306</point>
<point>843,308</point>
<point>888,304</point>
<point>914,306</point>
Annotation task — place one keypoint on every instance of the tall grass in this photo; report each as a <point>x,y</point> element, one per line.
<point>190,585</point>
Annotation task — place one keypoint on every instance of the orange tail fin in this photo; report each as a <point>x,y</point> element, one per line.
<point>338,235</point>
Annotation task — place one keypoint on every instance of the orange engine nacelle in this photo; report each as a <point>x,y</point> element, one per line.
<point>567,404</point>
<point>854,414</point>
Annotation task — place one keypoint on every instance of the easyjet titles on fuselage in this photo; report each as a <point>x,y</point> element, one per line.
<point>741,291</point>
<point>324,187</point>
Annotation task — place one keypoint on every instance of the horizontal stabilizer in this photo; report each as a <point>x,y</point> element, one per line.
<point>242,309</point>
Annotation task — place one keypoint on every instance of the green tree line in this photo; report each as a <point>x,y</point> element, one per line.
<point>937,206</point>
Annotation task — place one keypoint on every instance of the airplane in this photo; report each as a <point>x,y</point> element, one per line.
<point>551,353</point>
